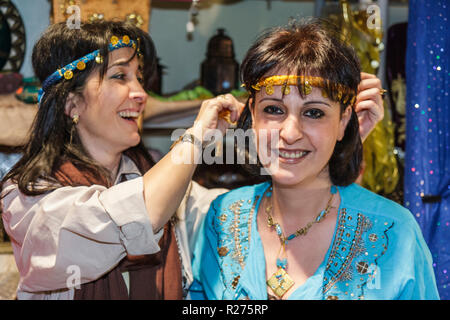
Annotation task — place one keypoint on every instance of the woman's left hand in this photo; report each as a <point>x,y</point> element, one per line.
<point>369,104</point>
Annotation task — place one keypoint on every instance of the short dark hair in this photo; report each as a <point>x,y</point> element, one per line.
<point>310,47</point>
<point>53,137</point>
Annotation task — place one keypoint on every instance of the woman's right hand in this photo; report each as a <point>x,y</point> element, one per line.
<point>213,113</point>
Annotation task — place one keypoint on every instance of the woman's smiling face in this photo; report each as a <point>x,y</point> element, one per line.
<point>307,130</point>
<point>109,108</point>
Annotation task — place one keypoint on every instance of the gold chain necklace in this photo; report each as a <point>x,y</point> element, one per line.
<point>280,282</point>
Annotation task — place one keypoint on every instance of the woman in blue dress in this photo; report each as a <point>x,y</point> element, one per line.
<point>308,232</point>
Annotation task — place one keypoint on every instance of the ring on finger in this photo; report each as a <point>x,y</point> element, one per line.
<point>222,96</point>
<point>383,92</point>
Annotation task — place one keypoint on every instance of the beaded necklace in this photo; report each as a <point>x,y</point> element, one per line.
<point>280,282</point>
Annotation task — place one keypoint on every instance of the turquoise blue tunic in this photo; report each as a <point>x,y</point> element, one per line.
<point>377,252</point>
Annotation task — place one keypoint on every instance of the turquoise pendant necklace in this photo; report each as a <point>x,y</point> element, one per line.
<point>280,282</point>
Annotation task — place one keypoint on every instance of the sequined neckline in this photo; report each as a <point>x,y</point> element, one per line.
<point>320,271</point>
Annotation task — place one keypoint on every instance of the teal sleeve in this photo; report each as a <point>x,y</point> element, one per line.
<point>421,285</point>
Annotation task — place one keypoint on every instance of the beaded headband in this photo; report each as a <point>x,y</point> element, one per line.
<point>80,64</point>
<point>343,93</point>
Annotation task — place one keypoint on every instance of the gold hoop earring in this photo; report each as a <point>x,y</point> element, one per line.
<point>75,119</point>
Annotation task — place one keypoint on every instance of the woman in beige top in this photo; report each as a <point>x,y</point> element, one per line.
<point>86,202</point>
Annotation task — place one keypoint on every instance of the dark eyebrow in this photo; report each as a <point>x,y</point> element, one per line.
<point>316,102</point>
<point>127,64</point>
<point>273,99</point>
<point>306,103</point>
<point>119,63</point>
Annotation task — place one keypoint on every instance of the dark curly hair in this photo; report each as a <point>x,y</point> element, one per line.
<point>309,47</point>
<point>53,137</point>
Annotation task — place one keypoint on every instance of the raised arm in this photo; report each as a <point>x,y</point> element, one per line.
<point>165,184</point>
<point>369,104</point>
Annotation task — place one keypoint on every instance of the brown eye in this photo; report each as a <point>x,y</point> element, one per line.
<point>314,113</point>
<point>119,76</point>
<point>273,110</point>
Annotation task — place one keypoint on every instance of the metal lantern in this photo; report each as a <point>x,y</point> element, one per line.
<point>219,72</point>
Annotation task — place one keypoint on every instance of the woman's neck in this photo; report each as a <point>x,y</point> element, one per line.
<point>113,166</point>
<point>299,205</point>
<point>108,160</point>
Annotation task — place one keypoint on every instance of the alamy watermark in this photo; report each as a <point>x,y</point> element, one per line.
<point>74,279</point>
<point>374,19</point>
<point>74,20</point>
<point>242,147</point>
<point>374,281</point>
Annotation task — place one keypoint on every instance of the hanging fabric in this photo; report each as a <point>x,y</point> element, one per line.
<point>427,156</point>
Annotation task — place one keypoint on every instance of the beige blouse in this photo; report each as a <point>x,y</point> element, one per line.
<point>74,235</point>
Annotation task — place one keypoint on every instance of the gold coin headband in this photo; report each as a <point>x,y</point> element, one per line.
<point>343,93</point>
<point>80,64</point>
